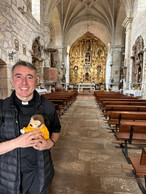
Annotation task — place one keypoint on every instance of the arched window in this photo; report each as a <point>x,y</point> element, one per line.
<point>36,10</point>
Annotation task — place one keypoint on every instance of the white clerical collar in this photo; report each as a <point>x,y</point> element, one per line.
<point>24,103</point>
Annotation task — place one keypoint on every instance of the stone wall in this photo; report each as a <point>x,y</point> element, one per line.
<point>139,29</point>
<point>16,24</point>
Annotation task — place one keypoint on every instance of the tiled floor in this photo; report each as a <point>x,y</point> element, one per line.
<point>85,159</point>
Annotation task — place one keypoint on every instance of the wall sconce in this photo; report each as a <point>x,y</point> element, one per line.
<point>16,43</point>
<point>11,55</point>
<point>24,49</point>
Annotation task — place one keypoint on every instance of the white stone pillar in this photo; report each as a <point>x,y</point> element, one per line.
<point>144,75</point>
<point>108,70</point>
<point>116,65</point>
<point>127,23</point>
<point>67,70</point>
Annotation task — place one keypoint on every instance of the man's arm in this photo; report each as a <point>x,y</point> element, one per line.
<point>55,137</point>
<point>26,140</point>
<point>7,146</point>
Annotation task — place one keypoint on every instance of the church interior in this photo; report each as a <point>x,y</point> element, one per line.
<point>86,50</point>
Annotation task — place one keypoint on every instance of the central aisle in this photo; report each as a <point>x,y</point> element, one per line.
<point>85,159</point>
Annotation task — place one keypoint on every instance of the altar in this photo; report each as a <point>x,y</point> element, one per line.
<point>86,88</point>
<point>135,93</point>
<point>41,91</point>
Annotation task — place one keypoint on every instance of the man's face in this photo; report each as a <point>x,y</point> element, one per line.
<point>24,81</point>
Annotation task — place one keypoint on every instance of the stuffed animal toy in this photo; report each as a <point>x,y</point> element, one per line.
<point>36,122</point>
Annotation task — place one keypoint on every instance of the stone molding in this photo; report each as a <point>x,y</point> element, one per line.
<point>127,21</point>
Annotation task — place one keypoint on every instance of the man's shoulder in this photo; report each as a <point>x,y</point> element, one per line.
<point>6,102</point>
<point>47,103</point>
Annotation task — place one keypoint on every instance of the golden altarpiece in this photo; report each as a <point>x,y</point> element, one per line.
<point>88,56</point>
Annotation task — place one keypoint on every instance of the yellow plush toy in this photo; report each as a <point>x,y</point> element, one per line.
<point>36,122</point>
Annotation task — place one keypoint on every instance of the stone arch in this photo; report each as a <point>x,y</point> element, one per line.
<point>3,78</point>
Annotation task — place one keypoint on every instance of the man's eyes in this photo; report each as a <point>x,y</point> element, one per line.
<point>18,76</point>
<point>27,77</point>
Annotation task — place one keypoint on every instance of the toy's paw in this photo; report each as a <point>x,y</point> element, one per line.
<point>22,131</point>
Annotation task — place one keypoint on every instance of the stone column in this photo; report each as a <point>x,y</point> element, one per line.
<point>127,23</point>
<point>116,65</point>
<point>144,75</point>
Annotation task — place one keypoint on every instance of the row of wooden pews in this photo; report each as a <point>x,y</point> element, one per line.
<point>126,117</point>
<point>62,99</point>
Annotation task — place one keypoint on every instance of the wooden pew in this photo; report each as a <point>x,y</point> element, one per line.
<point>130,108</point>
<point>116,116</point>
<point>124,102</point>
<point>103,101</point>
<point>129,131</point>
<point>139,166</point>
<point>108,94</point>
<point>62,99</point>
<point>124,108</point>
<point>123,99</point>
<point>67,96</point>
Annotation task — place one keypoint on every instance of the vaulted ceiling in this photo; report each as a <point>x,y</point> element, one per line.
<point>99,16</point>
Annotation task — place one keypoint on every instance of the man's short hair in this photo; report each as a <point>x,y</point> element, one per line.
<point>26,64</point>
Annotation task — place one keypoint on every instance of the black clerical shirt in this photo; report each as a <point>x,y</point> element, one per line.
<point>28,155</point>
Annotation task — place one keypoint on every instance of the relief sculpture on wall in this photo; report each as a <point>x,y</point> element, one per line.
<point>88,60</point>
<point>137,58</point>
<point>36,56</point>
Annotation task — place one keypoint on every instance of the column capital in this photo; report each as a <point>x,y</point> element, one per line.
<point>127,20</point>
<point>117,48</point>
<point>49,25</point>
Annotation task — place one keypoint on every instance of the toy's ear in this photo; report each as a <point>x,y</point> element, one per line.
<point>31,120</point>
<point>41,118</point>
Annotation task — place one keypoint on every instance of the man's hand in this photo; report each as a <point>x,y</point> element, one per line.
<point>44,144</point>
<point>29,139</point>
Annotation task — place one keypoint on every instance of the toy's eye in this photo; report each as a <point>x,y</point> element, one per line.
<point>31,125</point>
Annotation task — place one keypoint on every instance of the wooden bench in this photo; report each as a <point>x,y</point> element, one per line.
<point>108,94</point>
<point>66,96</point>
<point>130,108</point>
<point>62,99</point>
<point>129,131</point>
<point>123,99</point>
<point>116,116</point>
<point>125,102</point>
<point>124,108</point>
<point>139,166</point>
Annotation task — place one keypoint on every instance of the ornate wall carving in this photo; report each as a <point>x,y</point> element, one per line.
<point>36,56</point>
<point>88,60</point>
<point>137,57</point>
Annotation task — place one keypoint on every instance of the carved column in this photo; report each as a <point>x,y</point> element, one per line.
<point>128,25</point>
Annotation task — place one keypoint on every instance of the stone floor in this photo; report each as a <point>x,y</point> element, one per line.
<point>85,159</point>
